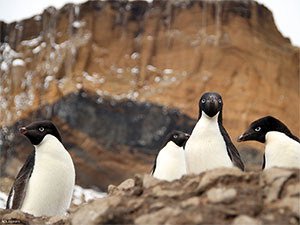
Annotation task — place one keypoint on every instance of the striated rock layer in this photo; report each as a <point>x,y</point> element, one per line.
<point>221,196</point>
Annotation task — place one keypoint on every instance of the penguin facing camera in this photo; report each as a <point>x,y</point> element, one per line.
<point>209,145</point>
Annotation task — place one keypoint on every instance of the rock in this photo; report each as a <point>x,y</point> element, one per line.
<point>291,203</point>
<point>150,181</point>
<point>95,212</point>
<point>246,220</point>
<point>126,87</point>
<point>123,187</point>
<point>191,202</point>
<point>160,192</point>
<point>275,178</point>
<point>227,198</point>
<point>293,190</point>
<point>221,195</point>
<point>159,217</point>
<point>15,215</point>
<point>212,176</point>
<point>127,184</point>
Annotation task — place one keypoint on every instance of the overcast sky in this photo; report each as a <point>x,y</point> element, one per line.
<point>286,12</point>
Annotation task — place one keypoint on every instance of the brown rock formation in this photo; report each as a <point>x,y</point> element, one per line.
<point>271,197</point>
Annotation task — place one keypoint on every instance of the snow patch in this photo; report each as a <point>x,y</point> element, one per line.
<point>82,195</point>
<point>3,199</point>
<point>32,42</point>
<point>77,24</point>
<point>4,66</point>
<point>18,62</point>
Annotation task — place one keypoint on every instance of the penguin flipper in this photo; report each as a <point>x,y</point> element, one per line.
<point>264,162</point>
<point>154,165</point>
<point>232,151</point>
<point>18,190</point>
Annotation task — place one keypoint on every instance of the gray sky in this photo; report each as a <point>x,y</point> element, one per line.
<point>286,12</point>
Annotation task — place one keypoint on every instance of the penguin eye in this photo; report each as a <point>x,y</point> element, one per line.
<point>203,100</point>
<point>220,101</point>
<point>41,129</point>
<point>257,129</point>
<point>175,136</point>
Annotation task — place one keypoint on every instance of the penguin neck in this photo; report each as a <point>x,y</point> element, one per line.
<point>172,145</point>
<point>49,144</point>
<point>276,136</point>
<point>205,122</point>
<point>218,116</point>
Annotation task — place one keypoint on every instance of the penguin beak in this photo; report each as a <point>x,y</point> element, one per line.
<point>23,130</point>
<point>211,107</point>
<point>245,136</point>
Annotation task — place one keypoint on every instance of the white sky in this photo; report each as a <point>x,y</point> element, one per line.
<point>286,12</point>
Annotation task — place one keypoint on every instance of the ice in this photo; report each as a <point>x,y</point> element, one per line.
<point>4,66</point>
<point>18,62</point>
<point>37,17</point>
<point>135,55</point>
<point>32,42</point>
<point>167,71</point>
<point>151,68</point>
<point>3,199</point>
<point>157,79</point>
<point>36,49</point>
<point>77,24</point>
<point>47,81</point>
<point>135,70</point>
<point>94,78</point>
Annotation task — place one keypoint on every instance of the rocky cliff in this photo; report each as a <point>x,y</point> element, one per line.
<point>221,196</point>
<point>117,76</point>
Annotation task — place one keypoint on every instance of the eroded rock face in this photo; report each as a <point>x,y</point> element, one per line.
<point>146,200</point>
<point>166,52</point>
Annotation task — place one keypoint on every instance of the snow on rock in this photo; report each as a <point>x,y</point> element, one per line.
<point>4,66</point>
<point>3,199</point>
<point>82,195</point>
<point>32,42</point>
<point>18,62</point>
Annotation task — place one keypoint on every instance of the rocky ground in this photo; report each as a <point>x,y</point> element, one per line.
<point>221,196</point>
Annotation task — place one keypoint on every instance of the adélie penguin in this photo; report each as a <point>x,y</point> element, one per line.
<point>44,185</point>
<point>170,161</point>
<point>209,145</point>
<point>282,148</point>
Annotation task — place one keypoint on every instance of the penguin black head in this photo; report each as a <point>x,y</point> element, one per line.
<point>259,128</point>
<point>36,131</point>
<point>178,137</point>
<point>211,103</point>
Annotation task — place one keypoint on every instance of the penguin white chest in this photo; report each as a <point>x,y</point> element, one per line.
<point>206,148</point>
<point>170,163</point>
<point>51,184</point>
<point>281,151</point>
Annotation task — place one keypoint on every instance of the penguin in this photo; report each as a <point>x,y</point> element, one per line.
<point>209,145</point>
<point>282,148</point>
<point>169,163</point>
<point>44,185</point>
